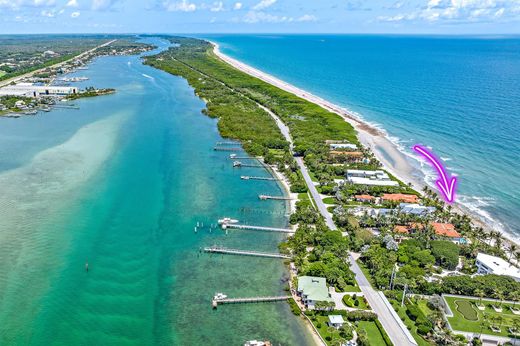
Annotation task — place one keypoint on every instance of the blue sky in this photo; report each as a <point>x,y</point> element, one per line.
<point>261,16</point>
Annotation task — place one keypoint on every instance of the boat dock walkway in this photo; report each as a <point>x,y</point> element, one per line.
<point>246,177</point>
<point>226,143</point>
<point>215,302</point>
<point>226,149</point>
<point>278,198</point>
<point>222,250</point>
<point>258,228</point>
<point>240,164</point>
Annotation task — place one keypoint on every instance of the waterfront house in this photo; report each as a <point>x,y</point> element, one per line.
<point>336,321</point>
<point>313,289</point>
<point>447,230</point>
<point>399,197</point>
<point>487,264</point>
<point>342,146</point>
<point>373,178</point>
<point>415,209</point>
<point>364,198</point>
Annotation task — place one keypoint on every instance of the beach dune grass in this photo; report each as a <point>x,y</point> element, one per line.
<point>467,310</point>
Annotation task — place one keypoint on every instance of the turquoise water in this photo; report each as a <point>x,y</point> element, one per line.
<point>120,184</point>
<point>459,95</point>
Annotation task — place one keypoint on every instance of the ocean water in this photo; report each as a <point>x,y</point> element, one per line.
<point>458,95</point>
<point>120,184</point>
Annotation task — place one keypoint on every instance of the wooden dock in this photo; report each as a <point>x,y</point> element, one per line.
<point>240,164</point>
<point>226,143</point>
<point>278,198</point>
<point>226,149</point>
<point>257,228</point>
<point>215,302</point>
<point>228,251</point>
<point>246,177</point>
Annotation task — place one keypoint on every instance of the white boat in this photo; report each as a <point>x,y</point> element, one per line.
<point>219,296</point>
<point>237,164</point>
<point>257,343</point>
<point>227,220</point>
<point>232,156</point>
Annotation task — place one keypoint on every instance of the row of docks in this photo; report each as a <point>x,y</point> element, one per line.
<point>228,223</point>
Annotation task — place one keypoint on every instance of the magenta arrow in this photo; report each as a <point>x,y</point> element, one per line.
<point>446,184</point>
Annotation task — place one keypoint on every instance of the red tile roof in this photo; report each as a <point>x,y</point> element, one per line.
<point>445,230</point>
<point>399,197</point>
<point>364,197</point>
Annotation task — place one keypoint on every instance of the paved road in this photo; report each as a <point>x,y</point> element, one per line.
<point>30,74</point>
<point>315,194</point>
<point>393,325</point>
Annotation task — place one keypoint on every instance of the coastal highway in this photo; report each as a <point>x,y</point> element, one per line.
<point>393,325</point>
<point>391,322</point>
<point>30,74</point>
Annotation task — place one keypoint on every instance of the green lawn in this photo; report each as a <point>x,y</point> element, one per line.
<point>329,200</point>
<point>351,288</point>
<point>374,335</point>
<point>468,318</point>
<point>361,302</point>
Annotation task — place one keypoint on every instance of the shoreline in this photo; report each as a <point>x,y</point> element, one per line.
<point>392,159</point>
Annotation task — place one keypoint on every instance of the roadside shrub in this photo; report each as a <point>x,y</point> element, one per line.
<point>361,316</point>
<point>294,307</point>
<point>318,325</point>
<point>413,312</point>
<point>423,329</point>
<point>382,330</point>
<point>328,338</point>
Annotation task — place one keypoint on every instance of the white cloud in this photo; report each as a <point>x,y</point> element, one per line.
<point>218,6</point>
<point>237,6</point>
<point>257,17</point>
<point>101,5</point>
<point>459,11</point>
<point>307,18</point>
<point>46,13</point>
<point>179,6</point>
<point>75,14</point>
<point>263,4</point>
<point>72,3</point>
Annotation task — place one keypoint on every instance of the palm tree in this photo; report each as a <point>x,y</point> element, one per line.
<point>512,250</point>
<point>479,293</point>
<point>517,257</point>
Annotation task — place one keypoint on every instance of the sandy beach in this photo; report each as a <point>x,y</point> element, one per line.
<point>393,160</point>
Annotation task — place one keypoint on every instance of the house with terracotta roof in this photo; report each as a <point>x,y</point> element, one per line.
<point>447,230</point>
<point>364,198</point>
<point>399,197</point>
<point>444,230</point>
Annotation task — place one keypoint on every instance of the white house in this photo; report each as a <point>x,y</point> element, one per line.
<point>415,209</point>
<point>374,178</point>
<point>336,146</point>
<point>336,321</point>
<point>487,264</point>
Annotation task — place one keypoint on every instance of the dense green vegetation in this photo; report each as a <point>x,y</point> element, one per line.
<point>417,256</point>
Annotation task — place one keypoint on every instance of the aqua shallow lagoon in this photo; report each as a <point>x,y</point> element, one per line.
<point>120,184</point>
